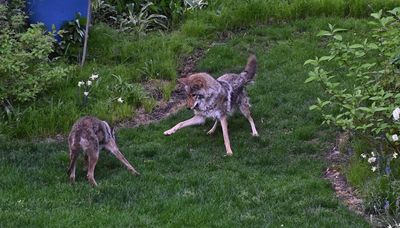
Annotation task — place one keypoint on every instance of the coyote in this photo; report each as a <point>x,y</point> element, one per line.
<point>217,98</point>
<point>91,135</point>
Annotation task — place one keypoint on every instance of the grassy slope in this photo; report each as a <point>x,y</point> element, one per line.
<point>271,180</point>
<point>157,56</point>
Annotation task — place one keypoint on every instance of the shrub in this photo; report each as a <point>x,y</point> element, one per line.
<point>25,69</point>
<point>363,91</point>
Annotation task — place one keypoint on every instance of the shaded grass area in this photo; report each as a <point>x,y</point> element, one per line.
<point>272,180</point>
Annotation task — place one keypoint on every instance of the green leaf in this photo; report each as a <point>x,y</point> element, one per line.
<point>380,109</point>
<point>395,11</point>
<point>359,53</point>
<point>372,46</point>
<point>312,107</point>
<point>338,37</point>
<point>324,58</point>
<point>368,65</point>
<point>354,46</point>
<point>347,106</point>
<point>376,98</point>
<point>365,109</point>
<point>377,15</point>
<point>386,20</point>
<point>339,30</point>
<point>313,62</point>
<point>324,33</point>
<point>310,79</point>
<point>325,103</point>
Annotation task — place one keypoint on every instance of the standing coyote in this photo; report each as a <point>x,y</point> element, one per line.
<point>91,135</point>
<point>217,98</point>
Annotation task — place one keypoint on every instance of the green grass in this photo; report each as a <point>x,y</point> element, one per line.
<point>270,181</point>
<point>157,56</point>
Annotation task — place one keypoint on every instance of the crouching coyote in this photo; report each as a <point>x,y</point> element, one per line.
<point>90,135</point>
<point>217,99</point>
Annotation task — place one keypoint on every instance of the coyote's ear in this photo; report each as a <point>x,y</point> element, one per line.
<point>195,87</point>
<point>198,84</point>
<point>183,81</point>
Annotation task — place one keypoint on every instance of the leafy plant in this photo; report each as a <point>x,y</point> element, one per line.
<point>129,92</point>
<point>151,15</point>
<point>25,69</point>
<point>149,71</point>
<point>367,104</point>
<point>363,90</point>
<point>103,12</point>
<point>195,4</point>
<point>143,21</point>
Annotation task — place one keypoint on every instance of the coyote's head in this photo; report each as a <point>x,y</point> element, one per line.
<point>195,86</point>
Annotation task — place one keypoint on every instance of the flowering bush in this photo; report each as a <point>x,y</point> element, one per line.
<point>363,91</point>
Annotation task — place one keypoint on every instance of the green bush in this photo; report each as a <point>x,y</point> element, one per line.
<point>363,91</point>
<point>25,69</point>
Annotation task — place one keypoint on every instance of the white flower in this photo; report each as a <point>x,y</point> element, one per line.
<point>373,168</point>
<point>89,83</point>
<point>395,137</point>
<point>120,100</point>
<point>80,83</point>
<point>371,159</point>
<point>395,155</point>
<point>86,93</point>
<point>396,114</point>
<point>94,76</point>
<point>372,153</point>
<point>363,155</point>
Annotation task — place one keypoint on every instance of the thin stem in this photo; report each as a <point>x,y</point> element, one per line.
<point>86,32</point>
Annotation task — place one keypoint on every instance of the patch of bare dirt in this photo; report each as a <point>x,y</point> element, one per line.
<point>347,194</point>
<point>164,109</point>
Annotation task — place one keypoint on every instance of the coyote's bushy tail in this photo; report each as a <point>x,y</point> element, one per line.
<point>251,67</point>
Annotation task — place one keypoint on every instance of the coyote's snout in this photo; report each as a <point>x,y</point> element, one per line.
<point>217,99</point>
<point>90,135</point>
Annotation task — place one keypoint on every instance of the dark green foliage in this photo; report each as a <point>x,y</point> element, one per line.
<point>25,70</point>
<point>71,36</point>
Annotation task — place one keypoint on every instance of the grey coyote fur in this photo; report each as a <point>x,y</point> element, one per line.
<point>217,99</point>
<point>91,135</point>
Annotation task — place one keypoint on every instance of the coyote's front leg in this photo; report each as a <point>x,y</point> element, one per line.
<point>195,120</point>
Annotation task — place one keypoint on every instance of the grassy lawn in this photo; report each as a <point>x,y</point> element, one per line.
<point>272,180</point>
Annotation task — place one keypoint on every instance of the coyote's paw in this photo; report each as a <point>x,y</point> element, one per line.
<point>92,182</point>
<point>134,172</point>
<point>228,154</point>
<point>72,179</point>
<point>255,134</point>
<point>169,132</point>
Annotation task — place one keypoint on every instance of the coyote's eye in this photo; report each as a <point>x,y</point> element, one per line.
<point>199,96</point>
